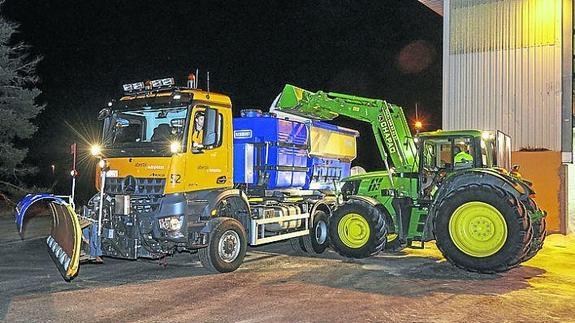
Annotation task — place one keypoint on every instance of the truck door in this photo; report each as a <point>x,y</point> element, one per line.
<point>209,162</point>
<point>64,241</point>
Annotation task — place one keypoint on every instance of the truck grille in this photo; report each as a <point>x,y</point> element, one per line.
<point>134,186</point>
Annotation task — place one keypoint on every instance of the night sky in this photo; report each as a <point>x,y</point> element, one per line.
<point>387,49</point>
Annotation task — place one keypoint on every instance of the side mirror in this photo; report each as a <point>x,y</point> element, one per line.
<point>104,113</point>
<point>122,123</point>
<point>210,127</point>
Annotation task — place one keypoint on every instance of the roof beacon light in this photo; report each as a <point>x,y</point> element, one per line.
<point>192,81</point>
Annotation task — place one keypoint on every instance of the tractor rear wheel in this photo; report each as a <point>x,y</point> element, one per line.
<point>357,229</point>
<point>539,232</point>
<point>482,228</point>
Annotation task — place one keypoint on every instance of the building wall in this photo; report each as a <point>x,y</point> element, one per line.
<point>503,69</point>
<point>508,66</point>
<point>544,169</point>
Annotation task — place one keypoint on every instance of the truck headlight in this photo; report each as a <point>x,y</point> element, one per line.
<point>175,147</point>
<point>171,223</point>
<point>96,150</point>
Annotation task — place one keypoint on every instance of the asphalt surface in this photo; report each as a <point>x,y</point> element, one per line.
<point>277,284</point>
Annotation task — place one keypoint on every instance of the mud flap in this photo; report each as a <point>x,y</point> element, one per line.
<point>65,239</point>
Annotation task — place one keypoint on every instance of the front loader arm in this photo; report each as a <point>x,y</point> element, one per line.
<point>392,133</point>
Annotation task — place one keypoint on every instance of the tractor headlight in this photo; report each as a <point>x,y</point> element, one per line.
<point>171,223</point>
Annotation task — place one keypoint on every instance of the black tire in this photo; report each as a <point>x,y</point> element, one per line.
<point>528,239</point>
<point>377,229</point>
<point>539,233</point>
<point>394,246</point>
<point>297,245</point>
<point>516,220</point>
<point>317,240</point>
<point>211,258</point>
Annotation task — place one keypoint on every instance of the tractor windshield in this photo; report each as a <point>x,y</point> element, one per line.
<point>146,131</point>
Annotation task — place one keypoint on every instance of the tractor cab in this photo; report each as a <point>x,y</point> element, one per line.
<point>445,152</point>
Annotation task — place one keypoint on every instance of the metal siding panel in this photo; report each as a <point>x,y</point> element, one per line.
<point>508,78</point>
<point>448,65</point>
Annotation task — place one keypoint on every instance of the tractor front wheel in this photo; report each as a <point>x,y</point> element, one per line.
<point>482,228</point>
<point>357,229</point>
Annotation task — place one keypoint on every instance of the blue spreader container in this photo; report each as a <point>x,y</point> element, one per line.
<point>270,152</point>
<point>275,153</point>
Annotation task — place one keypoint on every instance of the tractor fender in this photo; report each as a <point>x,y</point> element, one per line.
<point>479,176</point>
<point>376,204</point>
<point>486,176</point>
<point>25,206</point>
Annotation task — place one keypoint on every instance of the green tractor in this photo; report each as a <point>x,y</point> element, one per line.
<point>455,187</point>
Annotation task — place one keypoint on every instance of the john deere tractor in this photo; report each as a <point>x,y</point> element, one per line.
<point>455,187</point>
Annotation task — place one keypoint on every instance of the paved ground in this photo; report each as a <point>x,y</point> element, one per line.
<point>277,285</point>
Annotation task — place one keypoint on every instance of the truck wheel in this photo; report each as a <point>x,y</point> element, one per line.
<point>226,248</point>
<point>318,238</point>
<point>357,230</point>
<point>297,245</point>
<point>482,228</point>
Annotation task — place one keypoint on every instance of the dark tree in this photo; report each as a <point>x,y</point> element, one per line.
<point>18,105</point>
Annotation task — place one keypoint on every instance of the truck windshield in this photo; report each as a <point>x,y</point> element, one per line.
<point>148,128</point>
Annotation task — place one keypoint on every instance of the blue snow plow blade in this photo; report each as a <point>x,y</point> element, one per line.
<point>25,204</point>
<point>64,241</point>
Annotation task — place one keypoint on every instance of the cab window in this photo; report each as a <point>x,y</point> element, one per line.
<point>448,153</point>
<point>437,154</point>
<point>207,128</point>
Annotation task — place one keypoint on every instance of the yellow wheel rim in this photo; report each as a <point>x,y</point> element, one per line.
<point>478,229</point>
<point>391,237</point>
<point>353,230</point>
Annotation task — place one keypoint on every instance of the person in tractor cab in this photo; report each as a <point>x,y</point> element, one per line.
<point>462,157</point>
<point>198,132</point>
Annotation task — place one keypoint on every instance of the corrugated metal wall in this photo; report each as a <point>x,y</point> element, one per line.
<point>503,69</point>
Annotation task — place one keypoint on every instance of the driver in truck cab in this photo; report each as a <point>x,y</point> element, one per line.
<point>198,132</point>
